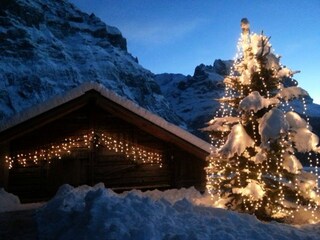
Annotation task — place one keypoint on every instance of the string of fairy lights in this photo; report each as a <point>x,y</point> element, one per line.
<point>115,143</point>
<point>313,209</point>
<point>217,165</point>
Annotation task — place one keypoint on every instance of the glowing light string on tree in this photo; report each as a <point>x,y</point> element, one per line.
<point>249,72</point>
<point>226,109</point>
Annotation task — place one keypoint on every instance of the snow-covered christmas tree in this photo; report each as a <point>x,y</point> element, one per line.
<point>257,135</point>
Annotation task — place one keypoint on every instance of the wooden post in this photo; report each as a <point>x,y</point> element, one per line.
<point>4,167</point>
<point>92,116</point>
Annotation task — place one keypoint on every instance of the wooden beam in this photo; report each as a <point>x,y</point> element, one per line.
<point>150,127</point>
<point>95,98</point>
<point>44,118</point>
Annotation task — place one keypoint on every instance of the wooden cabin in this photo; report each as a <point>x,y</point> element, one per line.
<point>91,135</point>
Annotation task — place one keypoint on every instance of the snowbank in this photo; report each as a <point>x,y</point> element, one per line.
<point>98,213</point>
<point>8,201</point>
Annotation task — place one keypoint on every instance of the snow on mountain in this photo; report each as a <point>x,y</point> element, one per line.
<point>194,97</point>
<point>48,47</point>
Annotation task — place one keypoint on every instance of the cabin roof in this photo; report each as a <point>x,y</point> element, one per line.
<point>173,132</point>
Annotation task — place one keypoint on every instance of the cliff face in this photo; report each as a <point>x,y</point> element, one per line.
<point>49,46</point>
<point>192,97</point>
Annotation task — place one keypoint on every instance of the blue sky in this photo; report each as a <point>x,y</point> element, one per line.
<point>177,35</point>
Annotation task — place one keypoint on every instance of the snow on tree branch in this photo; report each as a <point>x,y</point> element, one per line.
<point>253,190</point>
<point>305,140</point>
<point>273,62</point>
<point>221,124</point>
<point>238,140</point>
<point>260,157</point>
<point>260,45</point>
<point>295,121</point>
<point>291,163</point>
<point>290,93</point>
<point>271,126</point>
<point>286,72</point>
<point>255,102</point>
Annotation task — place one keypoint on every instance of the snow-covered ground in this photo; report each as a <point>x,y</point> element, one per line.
<point>99,213</point>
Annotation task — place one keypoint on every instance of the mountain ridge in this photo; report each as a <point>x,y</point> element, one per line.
<point>194,97</point>
<point>49,47</point>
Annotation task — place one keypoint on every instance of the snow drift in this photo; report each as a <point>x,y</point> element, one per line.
<point>8,201</point>
<point>99,213</point>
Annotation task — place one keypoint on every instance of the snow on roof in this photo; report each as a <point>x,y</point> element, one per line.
<point>131,106</point>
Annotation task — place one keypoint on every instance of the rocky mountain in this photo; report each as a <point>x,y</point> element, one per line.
<point>49,46</point>
<point>193,97</point>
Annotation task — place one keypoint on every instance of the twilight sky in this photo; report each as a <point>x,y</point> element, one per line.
<point>175,36</point>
